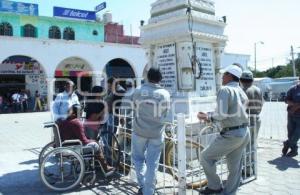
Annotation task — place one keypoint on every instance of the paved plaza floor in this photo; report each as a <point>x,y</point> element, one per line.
<point>22,136</point>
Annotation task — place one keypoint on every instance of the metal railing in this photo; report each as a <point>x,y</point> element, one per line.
<point>180,170</point>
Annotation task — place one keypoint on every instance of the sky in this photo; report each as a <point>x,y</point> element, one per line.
<point>248,21</point>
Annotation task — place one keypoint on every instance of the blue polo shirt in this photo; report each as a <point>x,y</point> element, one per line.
<point>293,95</point>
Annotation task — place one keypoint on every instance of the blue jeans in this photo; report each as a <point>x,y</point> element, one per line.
<point>293,131</point>
<point>145,156</point>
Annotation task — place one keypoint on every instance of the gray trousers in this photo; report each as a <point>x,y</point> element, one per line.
<point>254,127</point>
<point>232,145</point>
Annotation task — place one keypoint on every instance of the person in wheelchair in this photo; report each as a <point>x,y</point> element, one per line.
<point>96,112</point>
<point>72,128</point>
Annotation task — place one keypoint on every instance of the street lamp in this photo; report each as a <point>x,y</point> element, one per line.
<point>293,61</point>
<point>260,42</point>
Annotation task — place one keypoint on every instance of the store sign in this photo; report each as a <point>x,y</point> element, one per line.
<point>20,68</point>
<point>165,59</point>
<point>20,65</point>
<point>19,8</point>
<point>207,82</point>
<point>100,7</point>
<point>73,68</point>
<point>74,13</point>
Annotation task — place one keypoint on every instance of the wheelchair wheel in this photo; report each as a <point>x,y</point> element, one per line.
<point>62,169</point>
<point>46,149</point>
<point>111,148</point>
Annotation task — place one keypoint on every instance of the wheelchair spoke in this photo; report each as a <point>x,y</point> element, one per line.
<point>62,169</point>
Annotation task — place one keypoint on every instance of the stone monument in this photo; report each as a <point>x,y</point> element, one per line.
<point>185,40</point>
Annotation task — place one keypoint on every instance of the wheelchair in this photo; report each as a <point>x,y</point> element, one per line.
<point>65,165</point>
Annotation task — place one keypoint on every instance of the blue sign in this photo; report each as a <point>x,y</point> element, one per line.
<point>100,7</point>
<point>19,8</point>
<point>74,13</point>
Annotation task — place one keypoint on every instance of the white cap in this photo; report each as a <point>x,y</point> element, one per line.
<point>234,70</point>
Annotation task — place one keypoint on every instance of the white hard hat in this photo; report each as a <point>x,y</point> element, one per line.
<point>234,70</point>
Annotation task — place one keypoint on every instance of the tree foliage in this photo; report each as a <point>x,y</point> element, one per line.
<point>280,71</point>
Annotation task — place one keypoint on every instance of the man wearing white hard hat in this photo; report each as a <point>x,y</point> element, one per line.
<point>233,138</point>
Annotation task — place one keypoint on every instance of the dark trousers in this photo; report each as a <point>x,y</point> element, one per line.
<point>293,131</point>
<point>25,106</point>
<point>16,107</point>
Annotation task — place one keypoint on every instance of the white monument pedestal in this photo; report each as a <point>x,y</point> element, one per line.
<point>167,38</point>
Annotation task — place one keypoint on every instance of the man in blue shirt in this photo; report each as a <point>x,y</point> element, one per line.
<point>64,101</point>
<point>293,101</point>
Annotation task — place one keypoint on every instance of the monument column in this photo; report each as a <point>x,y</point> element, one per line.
<point>219,52</point>
<point>185,40</point>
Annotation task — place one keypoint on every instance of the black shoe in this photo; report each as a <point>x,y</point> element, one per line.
<point>292,153</point>
<point>285,148</point>
<point>140,192</point>
<point>247,174</point>
<point>210,191</point>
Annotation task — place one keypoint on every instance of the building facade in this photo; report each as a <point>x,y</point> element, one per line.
<point>51,28</point>
<point>230,58</point>
<point>36,50</point>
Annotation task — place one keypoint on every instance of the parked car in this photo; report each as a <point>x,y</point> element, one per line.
<point>282,96</point>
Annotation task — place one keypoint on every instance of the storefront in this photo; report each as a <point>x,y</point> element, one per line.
<point>22,73</point>
<point>76,70</point>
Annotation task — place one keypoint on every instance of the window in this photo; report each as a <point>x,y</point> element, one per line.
<point>95,32</point>
<point>29,31</point>
<point>6,29</point>
<point>54,32</point>
<point>69,34</point>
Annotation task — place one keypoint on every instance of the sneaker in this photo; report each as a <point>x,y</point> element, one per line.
<point>292,154</point>
<point>285,148</point>
<point>210,191</point>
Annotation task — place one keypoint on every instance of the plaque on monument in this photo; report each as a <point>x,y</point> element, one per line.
<point>207,82</point>
<point>165,59</point>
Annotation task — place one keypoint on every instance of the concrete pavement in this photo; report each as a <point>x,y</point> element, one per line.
<point>22,136</point>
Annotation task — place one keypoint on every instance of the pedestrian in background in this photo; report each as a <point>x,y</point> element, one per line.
<point>152,104</point>
<point>254,108</point>
<point>293,126</point>
<point>126,107</point>
<point>24,101</point>
<point>37,101</point>
<point>16,101</point>
<point>233,138</point>
<point>113,98</point>
<point>1,104</point>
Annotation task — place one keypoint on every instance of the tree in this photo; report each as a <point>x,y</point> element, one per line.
<point>280,71</point>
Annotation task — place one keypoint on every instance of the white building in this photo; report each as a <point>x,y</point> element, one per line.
<point>230,58</point>
<point>65,57</point>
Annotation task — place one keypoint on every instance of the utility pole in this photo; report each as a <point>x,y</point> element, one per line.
<point>255,44</point>
<point>293,61</point>
<point>255,58</point>
<point>272,62</point>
